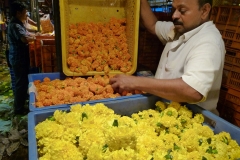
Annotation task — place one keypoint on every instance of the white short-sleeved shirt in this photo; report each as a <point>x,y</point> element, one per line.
<point>196,56</point>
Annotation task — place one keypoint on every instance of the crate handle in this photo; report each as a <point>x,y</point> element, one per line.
<point>231,53</point>
<point>211,123</point>
<point>224,88</point>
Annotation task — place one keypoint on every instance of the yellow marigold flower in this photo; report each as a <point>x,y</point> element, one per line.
<point>234,144</point>
<point>160,106</point>
<point>185,121</point>
<point>224,137</point>
<point>179,155</point>
<point>204,131</point>
<point>198,118</point>
<point>121,154</point>
<point>126,138</point>
<point>143,128</point>
<point>197,126</point>
<point>49,129</point>
<point>176,129</point>
<point>146,144</point>
<point>235,153</point>
<point>45,157</point>
<point>76,108</point>
<point>206,155</point>
<point>63,150</point>
<point>220,148</point>
<point>160,155</point>
<point>189,139</point>
<point>148,114</point>
<point>170,111</point>
<point>168,121</point>
<point>96,151</point>
<point>175,105</point>
<point>89,137</point>
<point>169,140</point>
<point>126,121</point>
<point>194,155</point>
<point>185,111</point>
<point>70,120</point>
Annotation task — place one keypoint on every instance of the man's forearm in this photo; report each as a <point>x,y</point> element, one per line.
<point>148,18</point>
<point>175,89</point>
<point>28,39</point>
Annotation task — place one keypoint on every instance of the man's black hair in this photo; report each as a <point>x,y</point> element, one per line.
<point>202,2</point>
<point>17,7</point>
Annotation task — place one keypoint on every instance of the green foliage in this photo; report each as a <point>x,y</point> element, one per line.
<point>5,126</point>
<point>6,96</point>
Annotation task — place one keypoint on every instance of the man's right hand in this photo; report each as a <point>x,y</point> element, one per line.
<point>121,83</point>
<point>147,16</point>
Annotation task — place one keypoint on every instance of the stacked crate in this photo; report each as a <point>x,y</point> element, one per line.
<point>48,55</point>
<point>149,50</point>
<point>35,50</point>
<point>149,46</point>
<point>227,20</point>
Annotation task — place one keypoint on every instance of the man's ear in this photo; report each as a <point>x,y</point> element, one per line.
<point>206,11</point>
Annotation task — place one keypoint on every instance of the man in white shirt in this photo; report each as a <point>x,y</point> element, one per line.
<point>190,68</point>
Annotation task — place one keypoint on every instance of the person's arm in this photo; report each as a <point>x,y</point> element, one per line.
<point>30,21</point>
<point>172,89</point>
<point>21,34</point>
<point>31,37</point>
<point>147,16</point>
<point>27,39</point>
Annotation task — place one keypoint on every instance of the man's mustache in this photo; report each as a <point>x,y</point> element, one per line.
<point>176,22</point>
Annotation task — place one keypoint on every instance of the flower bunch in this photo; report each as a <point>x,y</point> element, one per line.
<point>100,47</point>
<point>76,89</point>
<point>95,132</point>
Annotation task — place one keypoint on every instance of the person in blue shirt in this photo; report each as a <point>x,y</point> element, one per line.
<point>18,39</point>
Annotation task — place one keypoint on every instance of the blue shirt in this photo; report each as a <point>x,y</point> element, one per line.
<point>18,50</point>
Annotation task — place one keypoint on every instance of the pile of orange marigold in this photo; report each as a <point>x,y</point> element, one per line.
<point>99,47</point>
<point>76,89</point>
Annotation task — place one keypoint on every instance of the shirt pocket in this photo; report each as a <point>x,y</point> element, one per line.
<point>170,66</point>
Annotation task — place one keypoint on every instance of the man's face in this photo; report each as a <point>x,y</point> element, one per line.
<point>186,15</point>
<point>22,15</point>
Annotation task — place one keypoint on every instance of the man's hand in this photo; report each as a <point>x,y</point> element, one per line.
<point>38,34</point>
<point>122,83</point>
<point>42,34</point>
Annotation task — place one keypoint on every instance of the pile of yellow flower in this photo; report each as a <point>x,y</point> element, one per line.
<point>95,133</point>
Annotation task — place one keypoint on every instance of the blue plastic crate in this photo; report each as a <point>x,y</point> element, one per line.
<point>58,75</point>
<point>41,76</point>
<point>127,107</point>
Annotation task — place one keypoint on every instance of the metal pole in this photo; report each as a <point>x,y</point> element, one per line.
<point>57,28</point>
<point>33,12</point>
<point>37,15</point>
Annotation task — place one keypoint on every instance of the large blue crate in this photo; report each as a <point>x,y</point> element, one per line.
<point>61,76</point>
<point>127,107</point>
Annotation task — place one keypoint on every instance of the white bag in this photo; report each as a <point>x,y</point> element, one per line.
<point>46,24</point>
